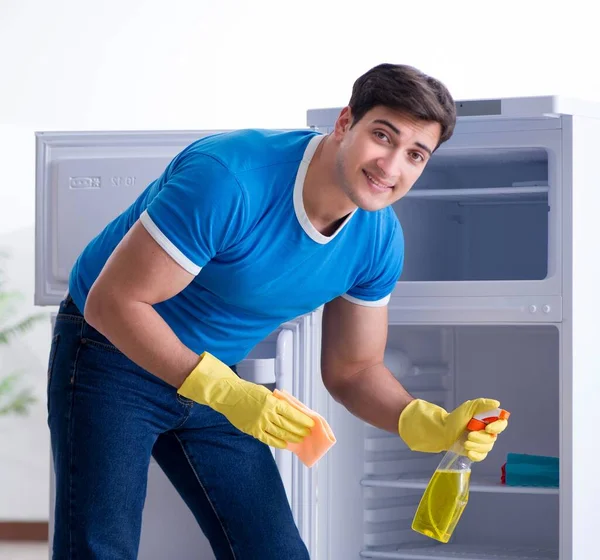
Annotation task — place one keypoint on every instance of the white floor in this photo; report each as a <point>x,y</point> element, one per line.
<point>23,551</point>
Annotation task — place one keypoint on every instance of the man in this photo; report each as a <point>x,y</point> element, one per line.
<point>241,232</point>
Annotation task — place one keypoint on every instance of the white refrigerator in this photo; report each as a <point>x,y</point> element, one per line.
<point>499,297</point>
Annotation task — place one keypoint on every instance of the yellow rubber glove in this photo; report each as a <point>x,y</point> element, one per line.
<point>251,408</point>
<point>427,427</point>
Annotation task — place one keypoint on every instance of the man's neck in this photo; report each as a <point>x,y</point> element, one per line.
<point>324,200</point>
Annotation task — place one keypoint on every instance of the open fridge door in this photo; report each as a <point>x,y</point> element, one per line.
<point>284,360</point>
<point>85,179</point>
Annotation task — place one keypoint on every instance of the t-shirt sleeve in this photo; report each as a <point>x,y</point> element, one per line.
<point>199,210</point>
<point>375,289</point>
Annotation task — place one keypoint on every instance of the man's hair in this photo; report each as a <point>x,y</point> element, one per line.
<point>406,89</point>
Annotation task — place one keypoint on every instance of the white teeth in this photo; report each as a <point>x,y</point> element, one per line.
<point>372,179</point>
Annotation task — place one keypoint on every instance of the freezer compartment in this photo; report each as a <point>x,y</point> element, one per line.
<point>478,214</point>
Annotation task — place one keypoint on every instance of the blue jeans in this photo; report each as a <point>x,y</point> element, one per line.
<point>107,416</point>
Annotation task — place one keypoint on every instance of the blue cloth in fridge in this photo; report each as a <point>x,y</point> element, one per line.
<point>531,470</point>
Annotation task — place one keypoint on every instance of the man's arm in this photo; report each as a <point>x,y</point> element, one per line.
<point>354,340</point>
<point>139,274</point>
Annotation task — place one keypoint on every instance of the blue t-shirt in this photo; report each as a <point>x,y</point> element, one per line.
<point>229,209</point>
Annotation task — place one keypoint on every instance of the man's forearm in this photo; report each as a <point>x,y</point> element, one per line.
<point>138,331</point>
<point>375,396</point>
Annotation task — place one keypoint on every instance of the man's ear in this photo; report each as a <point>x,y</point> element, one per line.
<point>343,123</point>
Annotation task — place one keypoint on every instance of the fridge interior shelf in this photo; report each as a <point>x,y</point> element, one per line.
<point>478,484</point>
<point>462,552</point>
<point>534,193</point>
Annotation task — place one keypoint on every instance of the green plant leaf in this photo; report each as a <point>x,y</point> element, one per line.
<point>19,404</point>
<point>7,301</point>
<point>7,384</point>
<point>20,328</point>
<point>12,399</point>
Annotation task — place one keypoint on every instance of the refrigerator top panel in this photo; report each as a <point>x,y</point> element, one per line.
<point>542,107</point>
<point>84,180</point>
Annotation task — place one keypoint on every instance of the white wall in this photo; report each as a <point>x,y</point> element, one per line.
<point>24,442</point>
<point>149,64</point>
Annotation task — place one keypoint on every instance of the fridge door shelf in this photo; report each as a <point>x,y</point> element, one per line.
<point>462,552</point>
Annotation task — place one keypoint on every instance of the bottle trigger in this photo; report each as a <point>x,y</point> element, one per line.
<point>481,420</point>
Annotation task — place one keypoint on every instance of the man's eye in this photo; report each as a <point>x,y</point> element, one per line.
<point>417,156</point>
<point>381,136</point>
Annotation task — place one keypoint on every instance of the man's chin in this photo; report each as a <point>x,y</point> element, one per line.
<point>368,201</point>
<point>372,205</point>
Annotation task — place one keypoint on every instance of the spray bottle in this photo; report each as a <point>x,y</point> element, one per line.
<point>447,493</point>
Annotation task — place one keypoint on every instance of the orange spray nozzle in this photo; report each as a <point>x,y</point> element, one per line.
<point>480,421</point>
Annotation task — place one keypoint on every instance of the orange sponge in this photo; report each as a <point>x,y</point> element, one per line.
<point>320,439</point>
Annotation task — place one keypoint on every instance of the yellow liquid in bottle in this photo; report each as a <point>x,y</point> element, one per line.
<point>442,504</point>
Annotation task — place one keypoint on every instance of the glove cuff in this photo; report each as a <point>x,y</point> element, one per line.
<point>199,385</point>
<point>421,426</point>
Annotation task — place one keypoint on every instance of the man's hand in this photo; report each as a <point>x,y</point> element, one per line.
<point>251,408</point>
<point>427,427</point>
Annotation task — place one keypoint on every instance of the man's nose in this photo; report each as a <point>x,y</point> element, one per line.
<point>390,165</point>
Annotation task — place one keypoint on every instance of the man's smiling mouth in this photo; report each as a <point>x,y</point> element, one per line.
<point>375,182</point>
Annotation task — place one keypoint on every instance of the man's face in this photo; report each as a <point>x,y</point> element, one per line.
<point>381,157</point>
